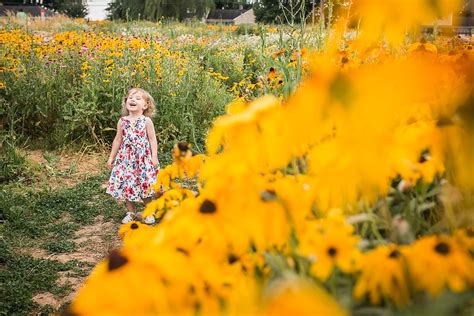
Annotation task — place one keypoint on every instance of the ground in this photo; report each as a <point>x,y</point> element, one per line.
<point>58,224</point>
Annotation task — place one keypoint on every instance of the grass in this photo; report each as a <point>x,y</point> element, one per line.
<point>34,215</point>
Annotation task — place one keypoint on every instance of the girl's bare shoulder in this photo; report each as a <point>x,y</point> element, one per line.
<point>148,120</point>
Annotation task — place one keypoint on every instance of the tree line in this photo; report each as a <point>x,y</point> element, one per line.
<point>72,8</point>
<point>266,11</point>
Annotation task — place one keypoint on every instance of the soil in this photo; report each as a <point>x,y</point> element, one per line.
<point>93,242</point>
<point>66,170</point>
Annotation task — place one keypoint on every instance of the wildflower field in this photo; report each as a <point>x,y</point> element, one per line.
<point>307,170</point>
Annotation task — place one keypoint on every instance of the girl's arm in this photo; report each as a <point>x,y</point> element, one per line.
<point>115,145</point>
<point>150,131</point>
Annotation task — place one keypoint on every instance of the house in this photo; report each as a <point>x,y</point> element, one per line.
<point>460,23</point>
<point>30,10</point>
<point>96,9</point>
<point>236,17</point>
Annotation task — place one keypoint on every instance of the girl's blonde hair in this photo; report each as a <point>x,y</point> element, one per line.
<point>149,111</point>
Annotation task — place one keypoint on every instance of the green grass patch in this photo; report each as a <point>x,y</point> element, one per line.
<point>60,246</point>
<point>23,276</point>
<point>38,217</point>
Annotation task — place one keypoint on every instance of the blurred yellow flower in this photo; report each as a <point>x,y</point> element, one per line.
<point>383,275</point>
<point>449,264</point>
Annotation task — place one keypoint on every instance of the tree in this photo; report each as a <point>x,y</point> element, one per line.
<point>155,9</point>
<point>232,4</point>
<point>126,9</point>
<point>282,11</point>
<point>74,10</point>
<point>71,8</point>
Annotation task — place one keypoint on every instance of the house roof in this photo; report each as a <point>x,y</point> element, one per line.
<point>223,14</point>
<point>33,10</point>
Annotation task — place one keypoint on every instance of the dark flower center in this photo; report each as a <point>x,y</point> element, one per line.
<point>394,254</point>
<point>442,248</point>
<point>207,207</point>
<point>183,146</point>
<point>68,312</point>
<point>116,260</point>
<point>134,226</point>
<point>444,121</point>
<point>232,258</point>
<point>332,252</point>
<point>424,157</point>
<point>183,251</point>
<point>268,195</point>
<point>344,60</point>
<point>470,232</point>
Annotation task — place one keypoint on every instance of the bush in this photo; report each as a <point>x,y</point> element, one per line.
<point>12,164</point>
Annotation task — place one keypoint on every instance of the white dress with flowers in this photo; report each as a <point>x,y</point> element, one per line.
<point>133,174</point>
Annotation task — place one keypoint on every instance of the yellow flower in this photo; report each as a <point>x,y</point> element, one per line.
<point>272,74</point>
<point>299,53</point>
<point>167,201</point>
<point>293,296</point>
<point>393,18</point>
<point>436,262</point>
<point>118,280</point>
<point>279,53</point>
<point>465,237</point>
<point>383,275</point>
<point>128,229</point>
<point>423,46</point>
<point>236,106</point>
<point>331,244</point>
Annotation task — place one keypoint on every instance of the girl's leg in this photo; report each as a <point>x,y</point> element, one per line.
<point>150,219</point>
<point>131,212</point>
<point>130,206</point>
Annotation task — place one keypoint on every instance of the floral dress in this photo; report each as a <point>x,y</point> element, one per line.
<point>133,174</point>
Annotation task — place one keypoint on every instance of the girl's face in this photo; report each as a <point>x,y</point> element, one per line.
<point>135,103</point>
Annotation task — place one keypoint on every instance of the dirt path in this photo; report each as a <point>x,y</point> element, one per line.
<point>93,242</point>
<point>66,170</point>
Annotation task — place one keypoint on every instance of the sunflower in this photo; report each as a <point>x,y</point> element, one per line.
<point>383,274</point>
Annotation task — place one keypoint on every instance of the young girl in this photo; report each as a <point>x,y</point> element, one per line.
<point>133,158</point>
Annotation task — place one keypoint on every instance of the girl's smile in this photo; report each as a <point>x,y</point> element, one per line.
<point>135,103</point>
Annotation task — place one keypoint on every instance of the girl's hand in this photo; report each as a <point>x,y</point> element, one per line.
<point>155,163</point>
<point>110,163</point>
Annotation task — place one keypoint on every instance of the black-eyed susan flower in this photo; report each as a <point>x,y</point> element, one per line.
<point>128,229</point>
<point>383,274</point>
<point>439,262</point>
<point>279,53</point>
<point>293,296</point>
<point>465,237</point>
<point>330,244</point>
<point>423,46</point>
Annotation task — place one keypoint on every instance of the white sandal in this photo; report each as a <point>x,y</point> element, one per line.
<point>150,219</point>
<point>128,218</point>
